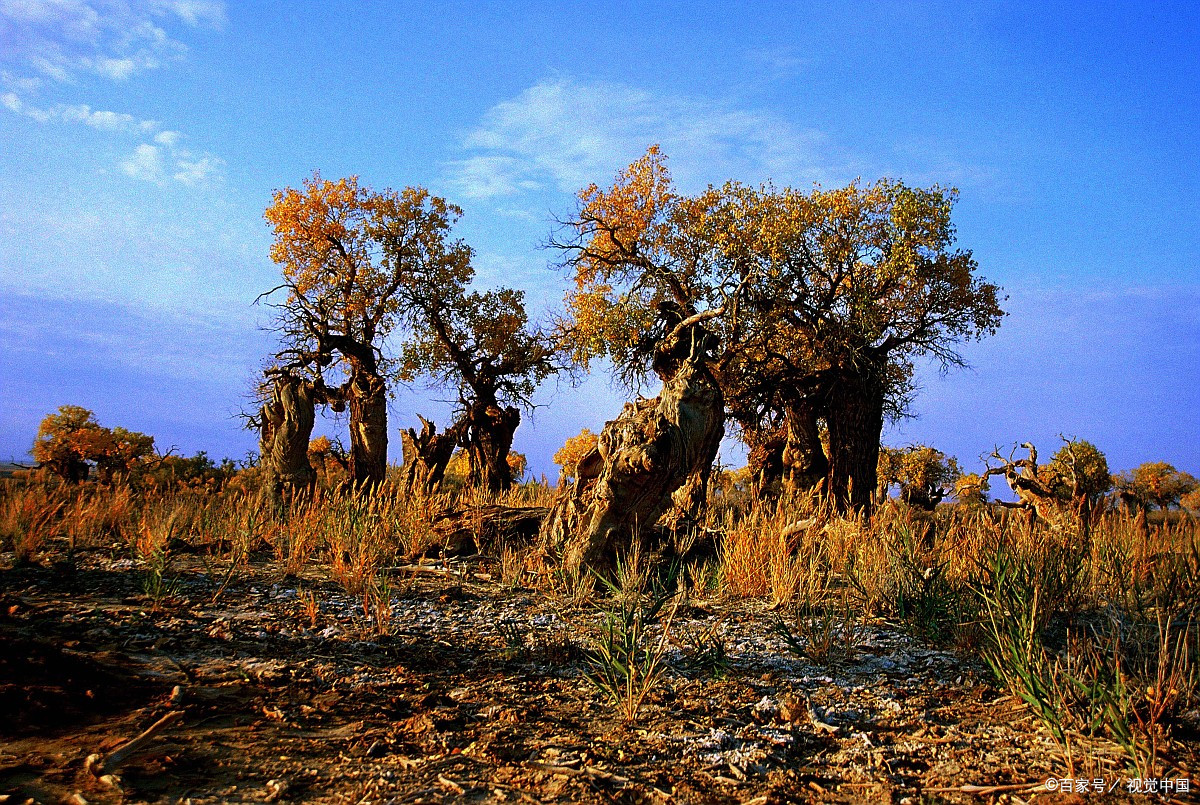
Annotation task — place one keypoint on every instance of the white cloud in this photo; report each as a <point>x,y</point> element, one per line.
<point>13,103</point>
<point>193,171</point>
<point>25,84</point>
<point>195,12</point>
<point>157,163</point>
<point>566,134</point>
<point>146,164</point>
<point>64,39</point>
<point>488,176</point>
<point>121,69</point>
<point>100,119</point>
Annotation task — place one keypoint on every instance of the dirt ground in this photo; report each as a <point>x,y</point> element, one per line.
<point>476,693</point>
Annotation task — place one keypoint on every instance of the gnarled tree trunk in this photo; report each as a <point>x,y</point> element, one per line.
<point>426,455</point>
<point>765,460</point>
<point>367,397</point>
<point>804,463</point>
<point>642,458</point>
<point>489,438</point>
<point>285,425</point>
<point>689,500</point>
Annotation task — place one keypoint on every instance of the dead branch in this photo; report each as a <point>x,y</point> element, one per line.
<point>99,765</point>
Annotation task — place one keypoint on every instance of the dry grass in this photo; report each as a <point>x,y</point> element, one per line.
<point>1095,630</point>
<point>28,519</point>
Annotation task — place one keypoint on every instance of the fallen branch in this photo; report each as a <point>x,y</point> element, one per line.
<point>453,786</point>
<point>99,765</point>
<point>440,571</point>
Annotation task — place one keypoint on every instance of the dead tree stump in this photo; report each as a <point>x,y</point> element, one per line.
<point>426,455</point>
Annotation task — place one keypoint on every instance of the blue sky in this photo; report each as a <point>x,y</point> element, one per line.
<point>141,140</point>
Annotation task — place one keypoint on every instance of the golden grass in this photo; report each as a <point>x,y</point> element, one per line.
<point>1095,629</point>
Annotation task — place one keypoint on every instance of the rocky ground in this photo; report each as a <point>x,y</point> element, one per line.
<point>286,691</point>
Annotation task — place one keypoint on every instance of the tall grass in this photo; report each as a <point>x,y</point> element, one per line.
<point>626,663</point>
<point>1095,629</point>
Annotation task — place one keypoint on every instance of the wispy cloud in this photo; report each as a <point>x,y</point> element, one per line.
<point>563,134</point>
<point>60,40</point>
<point>165,159</point>
<point>158,163</point>
<point>80,113</point>
<point>193,171</point>
<point>146,163</point>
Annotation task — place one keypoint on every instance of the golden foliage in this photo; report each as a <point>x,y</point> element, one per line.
<point>1078,470</point>
<point>971,489</point>
<point>329,239</point>
<point>825,277</point>
<point>355,262</point>
<point>1157,483</point>
<point>68,440</point>
<point>517,464</point>
<point>924,474</point>
<point>572,452</point>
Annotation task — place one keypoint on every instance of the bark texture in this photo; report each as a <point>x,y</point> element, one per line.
<point>367,396</point>
<point>285,425</point>
<point>641,459</point>
<point>789,458</point>
<point>490,429</point>
<point>689,500</point>
<point>804,465</point>
<point>855,417</point>
<point>765,460</point>
<point>426,455</point>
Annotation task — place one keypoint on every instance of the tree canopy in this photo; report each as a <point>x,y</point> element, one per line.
<point>1155,483</point>
<point>924,474</point>
<point>821,300</point>
<point>70,441</point>
<point>482,346</point>
<point>1078,471</point>
<point>345,252</point>
<point>359,266</point>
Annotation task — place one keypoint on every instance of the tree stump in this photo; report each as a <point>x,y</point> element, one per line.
<point>426,455</point>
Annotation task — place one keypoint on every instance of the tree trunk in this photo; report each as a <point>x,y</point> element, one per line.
<point>71,470</point>
<point>642,457</point>
<point>425,456</point>
<point>689,500</point>
<point>368,428</point>
<point>765,460</point>
<point>804,463</point>
<point>489,438</point>
<point>855,417</point>
<point>285,425</point>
